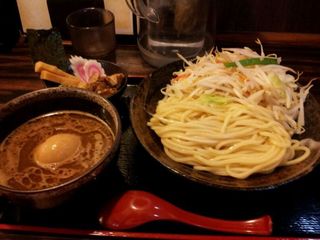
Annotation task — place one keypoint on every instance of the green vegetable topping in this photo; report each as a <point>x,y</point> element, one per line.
<point>215,99</point>
<point>275,80</point>
<point>253,61</point>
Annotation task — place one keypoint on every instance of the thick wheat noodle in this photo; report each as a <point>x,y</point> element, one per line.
<point>233,140</point>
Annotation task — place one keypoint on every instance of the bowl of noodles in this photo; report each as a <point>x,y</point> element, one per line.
<point>232,119</point>
<point>55,141</point>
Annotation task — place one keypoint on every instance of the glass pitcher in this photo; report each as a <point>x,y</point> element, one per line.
<point>170,27</point>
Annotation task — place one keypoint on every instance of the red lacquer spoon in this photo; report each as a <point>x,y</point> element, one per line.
<point>135,208</point>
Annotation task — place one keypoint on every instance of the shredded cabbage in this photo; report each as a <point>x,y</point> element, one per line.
<point>272,86</point>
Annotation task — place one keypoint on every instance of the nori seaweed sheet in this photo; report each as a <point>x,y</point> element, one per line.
<point>47,46</point>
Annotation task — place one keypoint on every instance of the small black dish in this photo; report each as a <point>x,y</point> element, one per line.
<point>109,68</point>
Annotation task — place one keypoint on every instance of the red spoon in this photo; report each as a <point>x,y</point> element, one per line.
<point>135,208</point>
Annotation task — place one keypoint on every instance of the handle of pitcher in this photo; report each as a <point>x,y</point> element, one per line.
<point>140,9</point>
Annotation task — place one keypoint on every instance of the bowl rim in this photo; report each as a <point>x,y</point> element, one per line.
<point>102,11</point>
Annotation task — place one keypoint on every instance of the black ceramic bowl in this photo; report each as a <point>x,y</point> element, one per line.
<point>44,101</point>
<point>109,68</point>
<point>144,104</point>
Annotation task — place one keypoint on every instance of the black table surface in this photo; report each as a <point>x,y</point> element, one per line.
<point>294,208</point>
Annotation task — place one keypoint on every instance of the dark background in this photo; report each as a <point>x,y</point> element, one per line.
<point>294,22</point>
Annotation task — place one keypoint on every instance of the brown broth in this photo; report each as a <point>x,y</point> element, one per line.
<point>18,168</point>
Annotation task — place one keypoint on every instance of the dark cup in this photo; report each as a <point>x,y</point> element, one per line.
<point>92,32</point>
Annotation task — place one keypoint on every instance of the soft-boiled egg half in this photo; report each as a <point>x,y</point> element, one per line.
<point>57,150</point>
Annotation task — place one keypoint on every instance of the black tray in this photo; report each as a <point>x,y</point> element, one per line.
<point>294,208</point>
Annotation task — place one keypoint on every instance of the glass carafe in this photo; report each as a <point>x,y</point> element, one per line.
<point>170,27</point>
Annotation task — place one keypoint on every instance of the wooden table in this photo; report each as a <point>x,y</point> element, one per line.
<point>17,75</point>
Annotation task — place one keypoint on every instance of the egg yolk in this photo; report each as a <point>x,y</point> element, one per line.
<point>57,150</point>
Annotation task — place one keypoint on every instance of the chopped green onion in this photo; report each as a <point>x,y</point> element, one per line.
<point>253,61</point>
